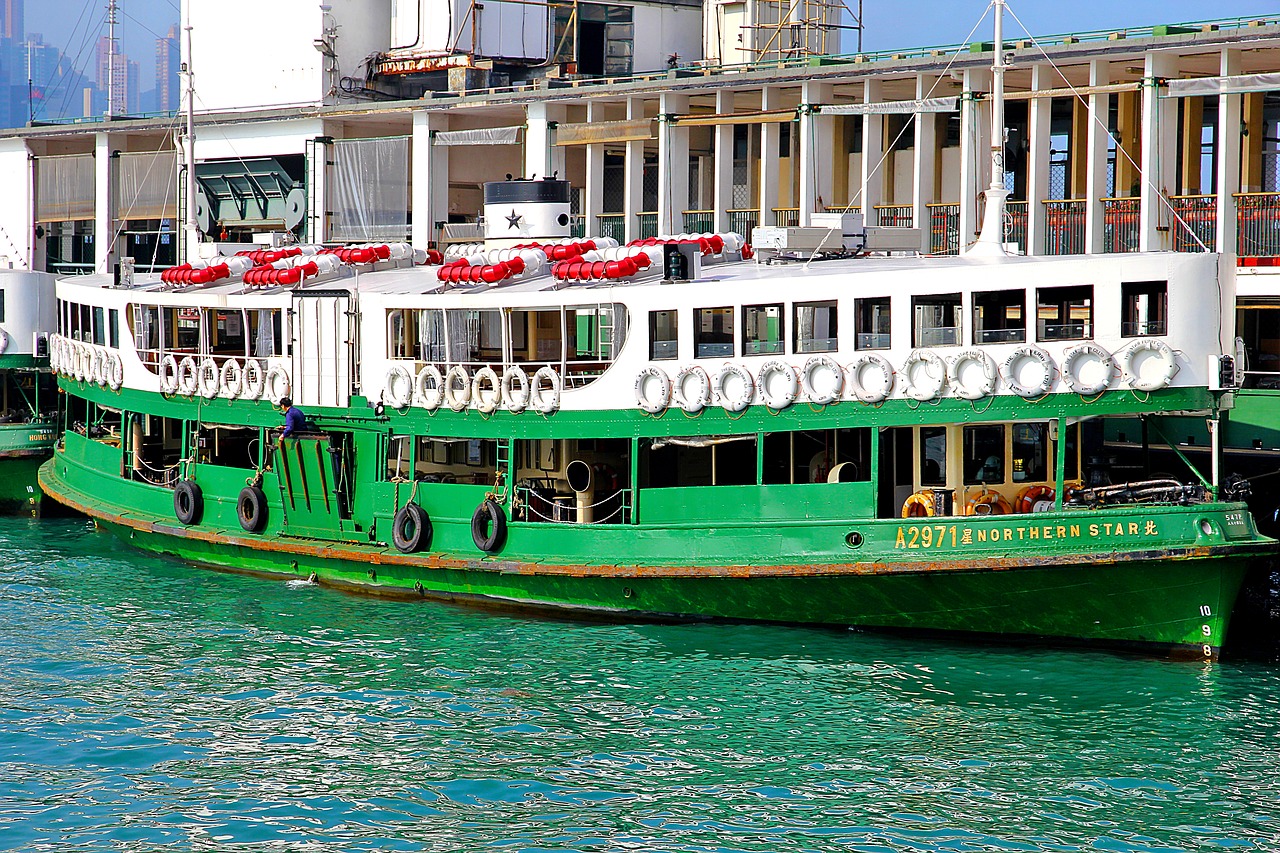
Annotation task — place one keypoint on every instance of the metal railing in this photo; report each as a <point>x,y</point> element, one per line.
<point>786,217</point>
<point>1064,226</point>
<point>612,225</point>
<point>647,223</point>
<point>1258,221</point>
<point>1015,224</point>
<point>894,215</point>
<point>742,220</point>
<point>699,221</point>
<point>543,504</point>
<point>1121,224</point>
<point>944,228</point>
<point>1200,213</point>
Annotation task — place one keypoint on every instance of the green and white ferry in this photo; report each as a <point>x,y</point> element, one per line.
<point>28,404</point>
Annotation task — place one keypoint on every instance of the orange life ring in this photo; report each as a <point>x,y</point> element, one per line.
<point>987,503</point>
<point>918,505</point>
<point>1029,496</point>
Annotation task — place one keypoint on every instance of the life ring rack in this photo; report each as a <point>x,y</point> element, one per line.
<point>986,385</point>
<point>813,367</point>
<point>874,361</point>
<point>735,403</point>
<point>790,387</point>
<point>919,505</point>
<point>697,400</point>
<point>1075,369</point>
<point>1033,353</point>
<point>646,380</point>
<point>1153,348</point>
<point>932,366</point>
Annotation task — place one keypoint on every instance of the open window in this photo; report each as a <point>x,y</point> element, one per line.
<point>664,341</point>
<point>1064,313</point>
<point>936,320</point>
<point>1145,307</point>
<point>713,332</point>
<point>816,326</point>
<point>999,317</point>
<point>872,323</point>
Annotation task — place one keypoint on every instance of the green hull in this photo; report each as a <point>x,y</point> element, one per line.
<point>1119,592</point>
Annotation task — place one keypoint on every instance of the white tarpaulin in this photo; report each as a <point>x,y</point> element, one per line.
<point>923,105</point>
<point>148,186</point>
<point>481,136</point>
<point>1240,83</point>
<point>65,188</point>
<point>369,192</point>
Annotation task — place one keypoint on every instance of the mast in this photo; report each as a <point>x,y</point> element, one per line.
<point>191,227</point>
<point>111,58</point>
<point>991,239</point>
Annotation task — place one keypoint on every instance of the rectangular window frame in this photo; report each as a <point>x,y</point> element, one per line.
<point>804,327</point>
<point>948,332</point>
<point>664,322</point>
<point>1064,305</point>
<point>1139,319</point>
<point>999,329</point>
<point>722,346</point>
<point>871,315</point>
<point>753,316</point>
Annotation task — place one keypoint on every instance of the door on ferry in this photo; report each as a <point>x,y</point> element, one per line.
<point>314,471</point>
<point>323,343</point>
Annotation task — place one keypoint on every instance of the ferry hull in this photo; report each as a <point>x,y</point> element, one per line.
<point>20,492</point>
<point>1171,600</point>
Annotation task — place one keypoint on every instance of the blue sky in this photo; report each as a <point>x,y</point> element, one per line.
<point>889,23</point>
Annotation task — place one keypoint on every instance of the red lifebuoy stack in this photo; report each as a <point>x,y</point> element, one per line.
<point>596,270</point>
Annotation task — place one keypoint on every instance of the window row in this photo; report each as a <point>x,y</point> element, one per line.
<point>228,332</point>
<point>89,323</point>
<point>998,317</point>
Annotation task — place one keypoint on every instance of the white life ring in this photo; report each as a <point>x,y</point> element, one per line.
<point>653,389</point>
<point>924,375</point>
<point>1088,369</point>
<point>735,387</point>
<point>169,374</point>
<point>817,389</point>
<point>486,399</point>
<point>1021,369</point>
<point>255,378</point>
<point>277,384</point>
<point>4,341</point>
<point>53,353</point>
<point>778,384</point>
<point>432,395</point>
<point>515,389</point>
<point>209,378</point>
<point>545,401</point>
<point>696,398</point>
<point>100,366</point>
<point>457,388</point>
<point>399,387</point>
<point>864,388</point>
<point>77,361</point>
<point>231,380</point>
<point>1150,364</point>
<point>187,377</point>
<point>115,371</point>
<point>973,375</point>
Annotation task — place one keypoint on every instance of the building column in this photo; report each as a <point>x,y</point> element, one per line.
<point>104,221</point>
<point>1159,154</point>
<point>317,229</point>
<point>1230,141</point>
<point>770,147</point>
<point>1097,137</point>
<point>872,153</point>
<point>429,164</point>
<point>926,164</point>
<point>817,147</point>
<point>633,181</point>
<point>723,165</point>
<point>542,159</point>
<point>673,164</point>
<point>1129,143</point>
<point>1040,111</point>
<point>975,151</point>
<point>593,193</point>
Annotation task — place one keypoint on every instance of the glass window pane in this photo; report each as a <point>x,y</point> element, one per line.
<point>713,333</point>
<point>816,326</point>
<point>936,320</point>
<point>999,317</point>
<point>984,455</point>
<point>1064,313</point>
<point>1145,308</point>
<point>663,335</point>
<point>872,323</point>
<point>933,456</point>
<point>1031,459</point>
<point>762,329</point>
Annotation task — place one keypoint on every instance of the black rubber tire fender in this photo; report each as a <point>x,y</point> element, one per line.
<point>251,509</point>
<point>489,527</point>
<point>411,529</point>
<point>188,502</point>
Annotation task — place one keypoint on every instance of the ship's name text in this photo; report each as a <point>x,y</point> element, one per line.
<point>959,536</point>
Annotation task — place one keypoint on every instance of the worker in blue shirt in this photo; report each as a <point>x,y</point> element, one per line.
<point>294,420</point>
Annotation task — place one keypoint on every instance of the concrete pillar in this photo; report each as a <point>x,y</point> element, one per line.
<point>633,181</point>
<point>1129,143</point>
<point>1096,149</point>
<point>104,207</point>
<point>817,147</point>
<point>926,163</point>
<point>673,164</point>
<point>541,158</point>
<point>723,164</point>
<point>770,145</point>
<point>1159,154</point>
<point>873,159</point>
<point>593,194</point>
<point>1039,113</point>
<point>1230,112</point>
<point>429,164</point>
<point>975,151</point>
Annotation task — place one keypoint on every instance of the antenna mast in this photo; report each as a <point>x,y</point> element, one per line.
<point>991,239</point>
<point>192,227</point>
<point>111,58</point>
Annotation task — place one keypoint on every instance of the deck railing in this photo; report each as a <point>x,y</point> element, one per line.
<point>1258,219</point>
<point>699,221</point>
<point>786,217</point>
<point>1121,218</point>
<point>1064,226</point>
<point>1200,213</point>
<point>612,225</point>
<point>1015,224</point>
<point>894,215</point>
<point>647,223</point>
<point>944,228</point>
<point>743,220</point>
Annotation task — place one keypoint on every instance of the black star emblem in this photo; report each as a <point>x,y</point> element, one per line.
<point>513,221</point>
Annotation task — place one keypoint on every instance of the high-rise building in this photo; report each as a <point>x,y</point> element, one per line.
<point>11,23</point>
<point>168,60</point>
<point>118,68</point>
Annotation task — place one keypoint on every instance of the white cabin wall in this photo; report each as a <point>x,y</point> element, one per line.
<point>663,30</point>
<point>268,139</point>
<point>17,235</point>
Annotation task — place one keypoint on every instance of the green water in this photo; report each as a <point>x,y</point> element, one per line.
<point>145,705</point>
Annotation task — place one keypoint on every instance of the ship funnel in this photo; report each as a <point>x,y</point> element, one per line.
<point>523,211</point>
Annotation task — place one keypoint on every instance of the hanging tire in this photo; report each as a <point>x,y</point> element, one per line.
<point>188,502</point>
<point>488,527</point>
<point>251,508</point>
<point>411,529</point>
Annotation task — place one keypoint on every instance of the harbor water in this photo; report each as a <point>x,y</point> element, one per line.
<point>147,705</point>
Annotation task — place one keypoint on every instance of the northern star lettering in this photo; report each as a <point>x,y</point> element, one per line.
<point>954,536</point>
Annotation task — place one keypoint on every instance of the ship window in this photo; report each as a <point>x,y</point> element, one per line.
<point>1071,468</point>
<point>146,333</point>
<point>431,346</point>
<point>722,460</point>
<point>999,317</point>
<point>817,456</point>
<point>984,454</point>
<point>228,446</point>
<point>1064,313</point>
<point>762,332</point>
<point>933,456</point>
<point>1,305</point>
<point>1258,324</point>
<point>592,334</point>
<point>1031,452</point>
<point>455,460</point>
<point>266,332</point>
<point>664,343</point>
<point>113,326</point>
<point>1145,308</point>
<point>815,326</point>
<point>713,333</point>
<point>872,323</point>
<point>86,324</point>
<point>182,329</point>
<point>937,320</point>
<point>475,336</point>
<point>399,457</point>
<point>402,333</point>
<point>536,336</point>
<point>99,326</point>
<point>226,325</point>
